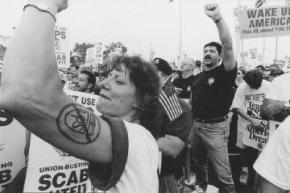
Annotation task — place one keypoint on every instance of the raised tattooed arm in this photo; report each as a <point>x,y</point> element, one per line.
<point>32,93</point>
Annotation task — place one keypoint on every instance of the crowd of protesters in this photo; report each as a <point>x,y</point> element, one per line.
<point>150,114</point>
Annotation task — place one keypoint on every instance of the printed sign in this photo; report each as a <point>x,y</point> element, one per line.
<point>94,55</point>
<point>99,52</point>
<point>69,85</point>
<point>254,136</point>
<point>62,47</point>
<point>263,22</point>
<point>12,146</point>
<point>85,99</point>
<point>52,170</point>
<point>91,56</point>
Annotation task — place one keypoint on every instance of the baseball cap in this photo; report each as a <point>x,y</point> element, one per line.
<point>163,66</point>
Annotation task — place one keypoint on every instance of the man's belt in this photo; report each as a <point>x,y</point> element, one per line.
<point>213,120</point>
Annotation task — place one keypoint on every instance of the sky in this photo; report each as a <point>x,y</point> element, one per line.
<point>144,24</point>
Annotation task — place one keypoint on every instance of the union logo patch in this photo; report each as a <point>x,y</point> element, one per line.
<point>211,81</point>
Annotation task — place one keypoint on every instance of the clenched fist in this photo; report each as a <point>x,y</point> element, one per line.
<point>59,5</point>
<point>213,11</point>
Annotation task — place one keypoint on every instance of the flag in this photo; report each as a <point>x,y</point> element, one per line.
<point>169,101</point>
<point>259,3</point>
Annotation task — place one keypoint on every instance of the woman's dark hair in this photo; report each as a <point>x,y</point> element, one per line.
<point>254,78</point>
<point>146,81</point>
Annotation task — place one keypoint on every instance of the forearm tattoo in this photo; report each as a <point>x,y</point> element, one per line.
<point>78,124</point>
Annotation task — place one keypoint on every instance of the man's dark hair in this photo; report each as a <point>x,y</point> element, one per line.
<point>214,44</point>
<point>74,66</point>
<point>254,78</point>
<point>260,66</point>
<point>163,66</point>
<point>91,77</point>
<point>146,82</point>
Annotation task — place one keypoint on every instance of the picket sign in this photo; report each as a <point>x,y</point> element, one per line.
<point>52,170</point>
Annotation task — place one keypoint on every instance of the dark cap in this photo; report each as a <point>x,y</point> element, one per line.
<point>163,66</point>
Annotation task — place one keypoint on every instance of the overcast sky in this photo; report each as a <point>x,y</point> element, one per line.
<point>141,23</point>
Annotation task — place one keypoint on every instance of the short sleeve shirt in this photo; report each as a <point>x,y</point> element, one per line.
<point>213,92</point>
<point>281,88</point>
<point>250,101</point>
<point>135,161</point>
<point>273,164</point>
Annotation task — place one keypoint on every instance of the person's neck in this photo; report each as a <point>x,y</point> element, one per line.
<point>186,74</point>
<point>130,118</point>
<point>206,68</point>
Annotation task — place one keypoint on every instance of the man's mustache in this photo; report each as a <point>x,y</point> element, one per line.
<point>207,57</point>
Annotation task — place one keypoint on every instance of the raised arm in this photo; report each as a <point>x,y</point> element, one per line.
<point>31,90</point>
<point>213,11</point>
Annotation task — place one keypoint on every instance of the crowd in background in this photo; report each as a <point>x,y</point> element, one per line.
<point>191,113</point>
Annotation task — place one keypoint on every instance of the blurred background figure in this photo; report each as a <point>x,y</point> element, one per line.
<point>184,82</point>
<point>197,68</point>
<point>240,76</point>
<point>275,71</point>
<point>86,81</point>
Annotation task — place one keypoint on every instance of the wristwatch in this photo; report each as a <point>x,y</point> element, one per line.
<point>41,7</point>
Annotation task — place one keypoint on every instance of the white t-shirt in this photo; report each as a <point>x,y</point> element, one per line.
<point>250,101</point>
<point>139,173</point>
<point>281,88</point>
<point>273,164</point>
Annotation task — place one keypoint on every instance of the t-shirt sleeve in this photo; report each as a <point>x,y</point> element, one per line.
<point>239,99</point>
<point>231,75</point>
<point>273,92</point>
<point>273,164</point>
<point>105,176</point>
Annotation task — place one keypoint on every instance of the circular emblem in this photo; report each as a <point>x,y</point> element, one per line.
<point>78,124</point>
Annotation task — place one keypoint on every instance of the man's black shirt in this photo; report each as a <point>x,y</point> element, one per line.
<point>212,92</point>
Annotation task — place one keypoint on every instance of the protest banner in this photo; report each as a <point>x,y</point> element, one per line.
<point>264,22</point>
<point>12,148</point>
<point>62,46</point>
<point>52,170</point>
<point>255,136</point>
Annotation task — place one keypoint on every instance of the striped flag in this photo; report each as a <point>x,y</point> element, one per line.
<point>259,3</point>
<point>169,101</point>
